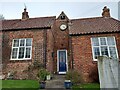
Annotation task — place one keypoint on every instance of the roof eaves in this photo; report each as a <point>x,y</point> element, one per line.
<point>26,28</point>
<point>83,33</point>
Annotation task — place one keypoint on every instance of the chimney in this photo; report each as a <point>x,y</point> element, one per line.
<point>25,14</point>
<point>106,12</point>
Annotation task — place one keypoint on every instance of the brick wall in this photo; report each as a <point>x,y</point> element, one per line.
<point>82,53</point>
<point>44,43</point>
<point>22,65</point>
<point>61,39</point>
<point>0,52</point>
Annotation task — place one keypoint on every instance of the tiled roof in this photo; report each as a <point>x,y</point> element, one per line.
<point>77,26</point>
<point>94,25</point>
<point>28,23</point>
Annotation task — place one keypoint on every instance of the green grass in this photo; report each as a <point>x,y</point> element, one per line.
<point>0,84</point>
<point>88,86</point>
<point>34,85</point>
<point>20,84</point>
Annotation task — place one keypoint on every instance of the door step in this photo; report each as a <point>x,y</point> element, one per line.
<point>61,72</point>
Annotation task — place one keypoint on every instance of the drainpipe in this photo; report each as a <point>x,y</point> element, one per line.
<point>45,47</point>
<point>71,51</point>
<point>70,45</point>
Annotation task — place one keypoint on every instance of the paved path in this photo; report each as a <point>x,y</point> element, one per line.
<point>57,83</point>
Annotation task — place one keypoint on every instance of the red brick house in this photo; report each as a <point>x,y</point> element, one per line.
<point>59,44</point>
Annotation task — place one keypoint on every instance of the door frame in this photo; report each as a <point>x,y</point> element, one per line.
<point>58,61</point>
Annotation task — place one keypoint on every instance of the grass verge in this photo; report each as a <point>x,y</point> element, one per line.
<point>20,85</point>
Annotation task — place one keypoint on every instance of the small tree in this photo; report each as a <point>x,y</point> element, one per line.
<point>74,76</point>
<point>1,17</point>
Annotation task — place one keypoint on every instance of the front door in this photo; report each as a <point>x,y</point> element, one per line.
<point>62,61</point>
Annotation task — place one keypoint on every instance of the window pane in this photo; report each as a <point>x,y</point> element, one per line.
<point>28,42</point>
<point>96,52</point>
<point>110,41</point>
<point>95,42</point>
<point>21,52</point>
<point>27,55</point>
<point>22,42</point>
<point>102,41</point>
<point>16,43</point>
<point>14,53</point>
<point>113,52</point>
<point>104,51</point>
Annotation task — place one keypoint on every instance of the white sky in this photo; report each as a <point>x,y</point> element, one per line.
<point>73,9</point>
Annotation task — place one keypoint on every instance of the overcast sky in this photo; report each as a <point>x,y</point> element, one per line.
<point>73,9</point>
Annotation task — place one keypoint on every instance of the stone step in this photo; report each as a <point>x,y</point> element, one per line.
<point>56,82</point>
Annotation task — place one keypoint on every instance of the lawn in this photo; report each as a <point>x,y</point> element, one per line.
<point>88,86</point>
<point>20,85</point>
<point>34,85</point>
<point>0,84</point>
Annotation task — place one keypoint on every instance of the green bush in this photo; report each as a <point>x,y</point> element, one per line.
<point>74,76</point>
<point>42,74</point>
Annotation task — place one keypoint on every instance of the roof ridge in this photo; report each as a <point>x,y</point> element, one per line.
<point>85,18</point>
<point>116,19</point>
<point>11,19</point>
<point>94,18</point>
<point>29,18</point>
<point>43,17</point>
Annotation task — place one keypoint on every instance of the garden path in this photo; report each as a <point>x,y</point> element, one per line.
<point>57,83</point>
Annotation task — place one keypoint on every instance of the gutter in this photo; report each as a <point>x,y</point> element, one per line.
<point>18,29</point>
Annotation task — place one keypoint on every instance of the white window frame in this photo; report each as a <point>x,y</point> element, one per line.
<point>103,45</point>
<point>22,46</point>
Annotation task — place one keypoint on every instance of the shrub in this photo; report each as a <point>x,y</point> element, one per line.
<point>33,69</point>
<point>74,76</point>
<point>11,74</point>
<point>42,74</point>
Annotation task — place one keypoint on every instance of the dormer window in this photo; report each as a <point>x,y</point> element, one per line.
<point>62,17</point>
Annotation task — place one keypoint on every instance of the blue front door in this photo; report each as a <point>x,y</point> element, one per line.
<point>62,61</point>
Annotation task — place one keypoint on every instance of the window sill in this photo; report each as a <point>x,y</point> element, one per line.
<point>94,61</point>
<point>20,59</point>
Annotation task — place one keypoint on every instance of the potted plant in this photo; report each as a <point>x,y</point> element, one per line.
<point>48,77</point>
<point>67,84</point>
<point>72,77</point>
<point>42,77</point>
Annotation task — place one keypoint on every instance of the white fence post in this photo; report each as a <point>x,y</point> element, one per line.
<point>108,72</point>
